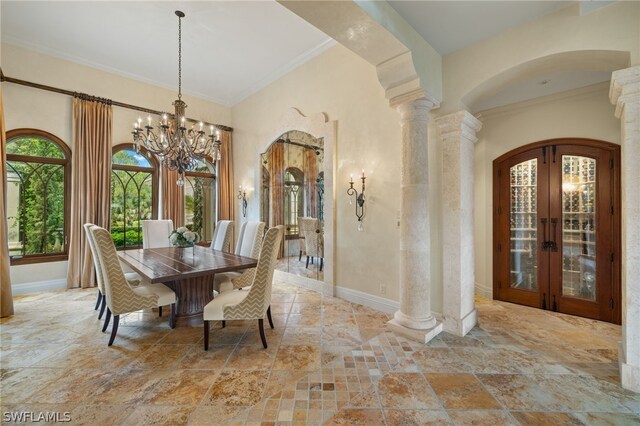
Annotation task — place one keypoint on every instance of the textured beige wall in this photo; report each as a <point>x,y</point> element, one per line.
<point>346,88</point>
<point>581,113</point>
<point>33,108</point>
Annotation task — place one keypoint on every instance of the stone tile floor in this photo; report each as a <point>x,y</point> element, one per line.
<point>329,361</point>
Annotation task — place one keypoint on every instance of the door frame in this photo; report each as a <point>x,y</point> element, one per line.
<point>616,201</point>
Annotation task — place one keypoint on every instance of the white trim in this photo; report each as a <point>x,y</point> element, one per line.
<point>298,280</point>
<point>376,302</point>
<point>36,286</point>
<point>484,291</point>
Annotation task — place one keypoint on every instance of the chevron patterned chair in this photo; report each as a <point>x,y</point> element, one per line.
<point>222,236</point>
<point>313,240</point>
<point>132,278</point>
<point>121,297</point>
<point>254,302</point>
<point>155,233</point>
<point>248,245</point>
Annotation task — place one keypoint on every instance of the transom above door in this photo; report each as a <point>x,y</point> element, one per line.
<point>557,227</point>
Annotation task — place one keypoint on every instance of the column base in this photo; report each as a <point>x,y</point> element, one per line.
<point>422,336</point>
<point>460,327</point>
<point>629,374</point>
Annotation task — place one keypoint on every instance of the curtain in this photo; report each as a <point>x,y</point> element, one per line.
<point>90,182</point>
<point>172,197</point>
<point>6,298</point>
<point>310,161</point>
<point>276,163</point>
<point>226,193</point>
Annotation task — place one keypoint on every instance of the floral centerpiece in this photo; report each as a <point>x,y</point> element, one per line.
<point>182,237</point>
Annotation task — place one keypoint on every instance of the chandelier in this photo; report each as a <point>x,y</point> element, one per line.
<point>178,147</point>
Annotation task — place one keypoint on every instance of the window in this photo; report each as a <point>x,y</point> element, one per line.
<point>200,199</point>
<point>134,183</point>
<point>293,199</point>
<point>38,188</point>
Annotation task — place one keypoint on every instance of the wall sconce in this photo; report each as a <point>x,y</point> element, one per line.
<point>359,200</point>
<point>242,195</point>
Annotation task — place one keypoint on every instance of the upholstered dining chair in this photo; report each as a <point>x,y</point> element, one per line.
<point>301,237</point>
<point>132,278</point>
<point>248,245</point>
<point>252,303</point>
<point>314,241</point>
<point>121,297</point>
<point>155,233</point>
<point>222,236</point>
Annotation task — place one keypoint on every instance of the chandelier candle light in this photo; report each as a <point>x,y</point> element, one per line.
<point>177,146</point>
<point>359,200</point>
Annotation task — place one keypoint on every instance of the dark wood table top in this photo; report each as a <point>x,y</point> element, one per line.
<point>170,263</point>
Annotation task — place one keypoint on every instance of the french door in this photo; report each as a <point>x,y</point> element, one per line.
<point>557,227</point>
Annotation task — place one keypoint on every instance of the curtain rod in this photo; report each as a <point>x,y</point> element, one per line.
<point>4,78</point>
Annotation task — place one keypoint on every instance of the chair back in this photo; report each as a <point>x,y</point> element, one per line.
<point>222,236</point>
<point>155,233</point>
<point>313,239</point>
<point>94,256</point>
<point>120,297</point>
<point>259,298</point>
<point>300,235</point>
<point>250,239</point>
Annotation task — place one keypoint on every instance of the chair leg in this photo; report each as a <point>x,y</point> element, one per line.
<point>224,323</point>
<point>299,257</point>
<point>98,301</point>
<point>114,329</point>
<point>312,260</point>
<point>206,335</point>
<point>321,263</point>
<point>106,320</point>
<point>261,327</point>
<point>269,316</point>
<point>172,316</point>
<point>307,262</point>
<point>104,304</point>
<point>159,311</point>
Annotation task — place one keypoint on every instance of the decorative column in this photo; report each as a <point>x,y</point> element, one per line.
<point>625,94</point>
<point>414,319</point>
<point>458,134</point>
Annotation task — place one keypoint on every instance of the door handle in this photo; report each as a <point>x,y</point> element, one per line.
<point>552,244</point>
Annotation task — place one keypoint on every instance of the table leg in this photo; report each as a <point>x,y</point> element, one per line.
<point>192,294</point>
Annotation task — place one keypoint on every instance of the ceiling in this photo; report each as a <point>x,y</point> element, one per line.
<point>232,49</point>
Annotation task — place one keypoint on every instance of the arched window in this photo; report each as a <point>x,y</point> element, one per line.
<point>38,188</point>
<point>134,185</point>
<point>200,199</point>
<point>293,198</point>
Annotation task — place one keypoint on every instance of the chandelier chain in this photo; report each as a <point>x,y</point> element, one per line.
<point>179,57</point>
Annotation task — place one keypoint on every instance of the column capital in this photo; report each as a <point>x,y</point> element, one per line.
<point>625,88</point>
<point>457,125</point>
<point>414,105</point>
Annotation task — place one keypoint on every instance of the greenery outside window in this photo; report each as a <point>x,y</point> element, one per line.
<point>134,183</point>
<point>293,199</point>
<point>200,199</point>
<point>38,188</point>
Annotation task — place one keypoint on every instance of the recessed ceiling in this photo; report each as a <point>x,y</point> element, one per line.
<point>451,25</point>
<point>230,49</point>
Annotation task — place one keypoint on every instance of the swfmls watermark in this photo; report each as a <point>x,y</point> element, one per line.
<point>36,416</point>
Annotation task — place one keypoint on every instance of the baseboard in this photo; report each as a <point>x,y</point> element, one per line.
<point>298,280</point>
<point>376,302</point>
<point>36,286</point>
<point>484,291</point>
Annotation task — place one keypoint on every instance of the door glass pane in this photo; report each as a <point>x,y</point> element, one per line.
<point>523,228</point>
<point>579,227</point>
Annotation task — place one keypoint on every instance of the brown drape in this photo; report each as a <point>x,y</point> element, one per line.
<point>6,298</point>
<point>276,167</point>
<point>172,198</point>
<point>90,184</point>
<point>226,191</point>
<point>310,161</point>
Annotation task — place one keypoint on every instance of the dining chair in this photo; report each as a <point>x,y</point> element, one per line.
<point>301,237</point>
<point>248,245</point>
<point>132,278</point>
<point>254,302</point>
<point>314,241</point>
<point>222,236</point>
<point>121,297</point>
<point>155,233</point>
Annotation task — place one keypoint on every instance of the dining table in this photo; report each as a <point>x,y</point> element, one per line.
<point>187,271</point>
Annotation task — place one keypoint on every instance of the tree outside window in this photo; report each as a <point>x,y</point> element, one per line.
<point>38,184</point>
<point>134,181</point>
<point>200,199</point>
